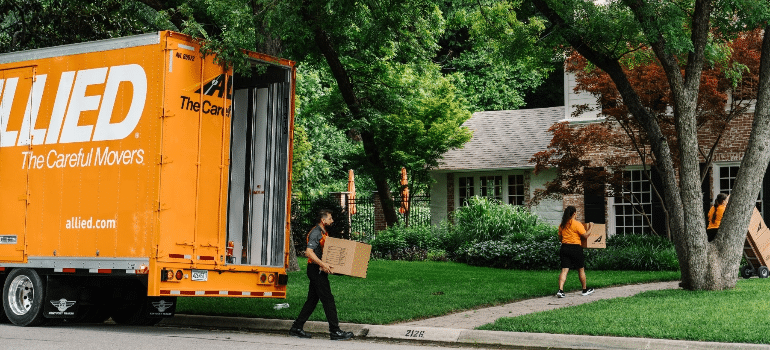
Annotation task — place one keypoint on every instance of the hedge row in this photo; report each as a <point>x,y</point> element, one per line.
<point>510,237</point>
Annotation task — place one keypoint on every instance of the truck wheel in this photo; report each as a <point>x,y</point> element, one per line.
<point>3,317</point>
<point>747,272</point>
<point>763,272</point>
<point>23,296</point>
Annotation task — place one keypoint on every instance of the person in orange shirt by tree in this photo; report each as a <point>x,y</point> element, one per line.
<point>571,252</point>
<point>715,215</point>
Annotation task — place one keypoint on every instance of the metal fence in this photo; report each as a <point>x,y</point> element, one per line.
<point>362,224</point>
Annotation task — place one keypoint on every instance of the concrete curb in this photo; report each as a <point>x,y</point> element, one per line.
<point>451,335</point>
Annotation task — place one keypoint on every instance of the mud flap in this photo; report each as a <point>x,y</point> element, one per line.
<point>62,299</point>
<point>161,306</point>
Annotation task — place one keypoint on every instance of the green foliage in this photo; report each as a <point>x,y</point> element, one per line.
<point>411,243</point>
<point>384,85</point>
<point>634,252</point>
<point>421,121</point>
<point>728,316</point>
<point>321,150</point>
<point>483,76</point>
<point>510,237</point>
<point>30,24</point>
<point>541,251</point>
<point>485,219</point>
<point>539,254</point>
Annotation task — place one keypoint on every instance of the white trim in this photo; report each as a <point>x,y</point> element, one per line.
<point>79,48</point>
<point>82,263</point>
<point>186,47</point>
<point>170,61</point>
<point>715,185</point>
<point>614,215</point>
<point>610,219</point>
<point>477,183</point>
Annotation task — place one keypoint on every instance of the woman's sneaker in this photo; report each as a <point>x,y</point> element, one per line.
<point>560,294</point>
<point>587,291</point>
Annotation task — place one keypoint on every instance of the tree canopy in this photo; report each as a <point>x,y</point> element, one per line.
<point>682,35</point>
<point>728,89</point>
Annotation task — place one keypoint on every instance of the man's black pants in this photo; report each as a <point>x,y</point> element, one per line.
<point>319,290</point>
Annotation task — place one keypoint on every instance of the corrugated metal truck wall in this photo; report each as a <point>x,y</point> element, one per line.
<point>259,167</point>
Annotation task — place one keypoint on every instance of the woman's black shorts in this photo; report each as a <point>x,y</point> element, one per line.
<point>572,256</point>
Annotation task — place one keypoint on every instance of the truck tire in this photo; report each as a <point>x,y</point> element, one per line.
<point>3,317</point>
<point>23,297</point>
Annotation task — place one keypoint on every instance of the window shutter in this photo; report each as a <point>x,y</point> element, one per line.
<point>593,200</point>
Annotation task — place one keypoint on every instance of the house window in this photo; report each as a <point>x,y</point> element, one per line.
<point>727,176</point>
<point>492,187</point>
<point>516,189</point>
<point>466,189</point>
<point>634,203</point>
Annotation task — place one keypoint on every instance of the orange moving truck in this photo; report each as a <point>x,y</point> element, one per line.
<point>136,170</point>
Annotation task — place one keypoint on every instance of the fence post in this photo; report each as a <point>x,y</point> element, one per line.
<point>379,214</point>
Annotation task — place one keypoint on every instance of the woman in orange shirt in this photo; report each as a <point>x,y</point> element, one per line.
<point>715,215</point>
<point>571,252</point>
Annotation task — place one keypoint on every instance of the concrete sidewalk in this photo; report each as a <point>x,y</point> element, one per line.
<point>458,328</point>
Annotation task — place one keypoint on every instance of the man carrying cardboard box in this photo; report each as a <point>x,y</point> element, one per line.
<point>318,273</point>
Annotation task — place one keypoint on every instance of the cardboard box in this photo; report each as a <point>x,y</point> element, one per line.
<point>597,237</point>
<point>347,257</point>
<point>757,223</point>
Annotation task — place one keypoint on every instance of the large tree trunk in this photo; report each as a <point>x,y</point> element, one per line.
<point>376,168</point>
<point>691,239</point>
<point>266,42</point>
<point>378,172</point>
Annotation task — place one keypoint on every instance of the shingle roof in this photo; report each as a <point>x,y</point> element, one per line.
<point>503,139</point>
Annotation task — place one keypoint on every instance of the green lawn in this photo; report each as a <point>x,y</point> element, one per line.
<point>740,315</point>
<point>396,291</point>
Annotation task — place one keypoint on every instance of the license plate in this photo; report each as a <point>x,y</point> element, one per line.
<point>200,275</point>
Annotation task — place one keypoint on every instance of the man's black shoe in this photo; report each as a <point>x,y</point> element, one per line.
<point>299,332</point>
<point>340,335</point>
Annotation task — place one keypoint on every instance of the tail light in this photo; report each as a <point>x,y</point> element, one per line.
<point>166,275</point>
<point>230,248</point>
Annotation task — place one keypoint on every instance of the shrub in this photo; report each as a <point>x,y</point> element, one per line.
<point>540,251</point>
<point>406,243</point>
<point>634,252</point>
<point>485,220</point>
<point>438,255</point>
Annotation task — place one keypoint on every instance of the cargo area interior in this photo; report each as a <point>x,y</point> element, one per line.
<point>259,163</point>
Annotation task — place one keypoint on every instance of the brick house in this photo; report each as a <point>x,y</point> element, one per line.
<point>495,163</point>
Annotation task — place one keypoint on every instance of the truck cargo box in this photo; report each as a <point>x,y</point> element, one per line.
<point>141,158</point>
